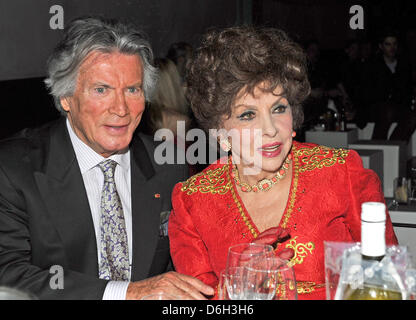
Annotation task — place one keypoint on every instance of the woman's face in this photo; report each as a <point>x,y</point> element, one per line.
<point>260,128</point>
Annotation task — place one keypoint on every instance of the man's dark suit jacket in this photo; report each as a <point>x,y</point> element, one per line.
<point>380,85</point>
<point>45,218</point>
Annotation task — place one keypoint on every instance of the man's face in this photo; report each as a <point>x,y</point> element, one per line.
<point>108,101</point>
<point>389,47</point>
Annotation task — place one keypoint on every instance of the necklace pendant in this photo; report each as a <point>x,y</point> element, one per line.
<point>265,184</point>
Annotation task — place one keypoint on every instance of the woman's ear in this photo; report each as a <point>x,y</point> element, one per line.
<point>222,139</point>
<point>225,144</point>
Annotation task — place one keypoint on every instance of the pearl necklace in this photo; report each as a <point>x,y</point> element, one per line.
<point>264,184</point>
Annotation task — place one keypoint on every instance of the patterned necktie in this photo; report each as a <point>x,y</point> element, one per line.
<point>114,262</point>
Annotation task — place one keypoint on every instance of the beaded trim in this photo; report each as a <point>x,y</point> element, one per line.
<point>264,184</point>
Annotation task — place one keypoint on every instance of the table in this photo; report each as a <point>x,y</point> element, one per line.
<point>394,159</point>
<point>334,139</point>
<point>403,218</point>
<point>373,159</point>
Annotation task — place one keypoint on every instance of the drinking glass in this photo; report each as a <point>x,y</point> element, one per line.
<point>286,283</point>
<point>234,279</point>
<point>412,195</point>
<point>260,282</point>
<point>241,254</point>
<point>222,286</point>
<point>402,190</point>
<point>411,283</point>
<point>269,278</point>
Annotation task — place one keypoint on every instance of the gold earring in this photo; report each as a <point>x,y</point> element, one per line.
<point>225,145</point>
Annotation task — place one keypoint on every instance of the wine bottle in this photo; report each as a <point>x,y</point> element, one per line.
<point>380,279</point>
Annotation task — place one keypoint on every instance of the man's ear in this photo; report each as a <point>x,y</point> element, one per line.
<point>65,103</point>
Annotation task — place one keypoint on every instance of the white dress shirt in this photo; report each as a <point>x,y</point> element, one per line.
<point>93,178</point>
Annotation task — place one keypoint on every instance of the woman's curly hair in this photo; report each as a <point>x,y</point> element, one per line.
<point>237,58</point>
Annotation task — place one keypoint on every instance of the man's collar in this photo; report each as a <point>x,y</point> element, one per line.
<point>88,158</point>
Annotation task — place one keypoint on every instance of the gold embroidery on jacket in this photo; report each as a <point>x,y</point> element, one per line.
<point>320,156</point>
<point>294,188</point>
<point>210,181</point>
<point>301,250</point>
<point>304,287</point>
<point>244,217</point>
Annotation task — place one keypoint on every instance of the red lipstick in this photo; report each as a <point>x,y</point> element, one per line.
<point>270,150</point>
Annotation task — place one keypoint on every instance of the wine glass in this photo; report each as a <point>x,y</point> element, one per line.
<point>222,286</point>
<point>241,254</point>
<point>269,278</point>
<point>259,284</point>
<point>234,284</point>
<point>286,283</point>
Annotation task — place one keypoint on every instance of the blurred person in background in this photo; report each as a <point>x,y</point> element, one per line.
<point>169,104</point>
<point>365,59</point>
<point>316,103</point>
<point>180,53</point>
<point>387,90</point>
<point>347,78</point>
<point>169,109</point>
<point>366,50</point>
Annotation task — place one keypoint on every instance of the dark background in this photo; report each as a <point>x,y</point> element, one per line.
<point>27,40</point>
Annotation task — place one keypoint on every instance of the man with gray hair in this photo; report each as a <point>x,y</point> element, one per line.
<point>83,204</point>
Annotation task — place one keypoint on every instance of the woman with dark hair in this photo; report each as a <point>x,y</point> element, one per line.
<point>249,84</point>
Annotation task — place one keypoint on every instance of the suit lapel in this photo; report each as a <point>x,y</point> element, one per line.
<point>62,188</point>
<point>145,210</point>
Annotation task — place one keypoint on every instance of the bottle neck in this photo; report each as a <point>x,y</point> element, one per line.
<point>370,258</point>
<point>373,240</point>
